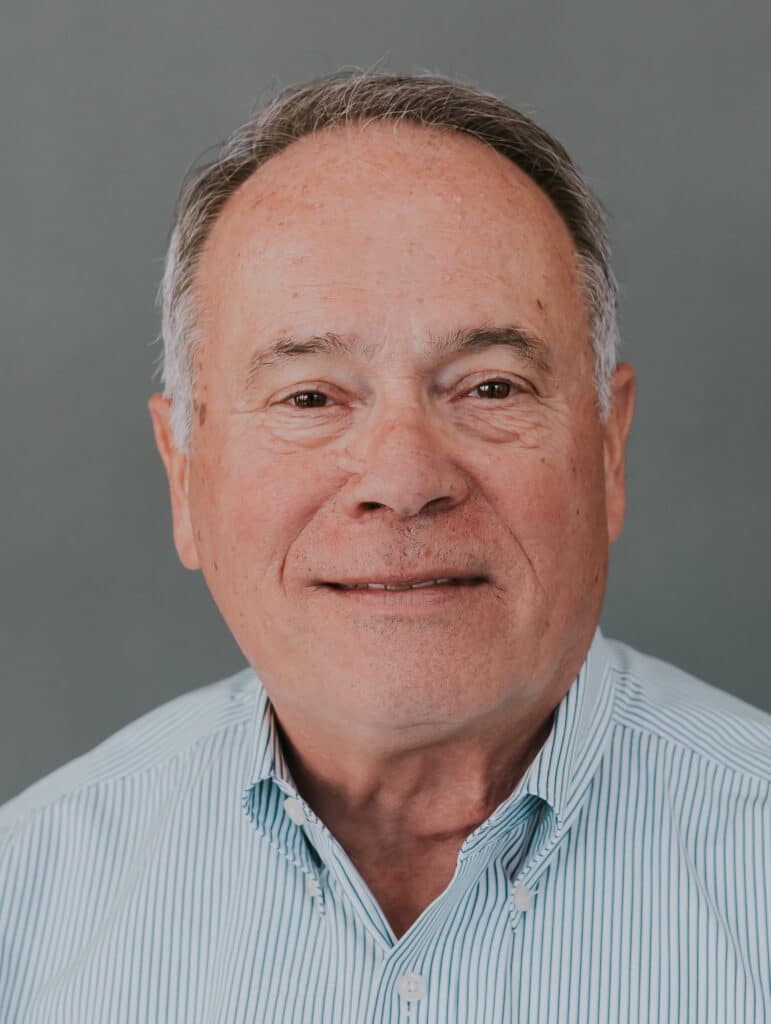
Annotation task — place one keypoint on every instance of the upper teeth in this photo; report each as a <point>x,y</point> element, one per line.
<point>388,586</point>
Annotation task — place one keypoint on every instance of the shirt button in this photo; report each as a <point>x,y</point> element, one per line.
<point>294,811</point>
<point>312,887</point>
<point>523,898</point>
<point>411,987</point>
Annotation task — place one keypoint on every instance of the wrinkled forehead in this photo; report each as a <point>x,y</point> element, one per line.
<point>388,224</point>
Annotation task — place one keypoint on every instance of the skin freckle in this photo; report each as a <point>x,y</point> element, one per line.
<point>202,414</point>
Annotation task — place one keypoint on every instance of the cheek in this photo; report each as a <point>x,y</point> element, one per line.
<point>249,510</point>
<point>554,503</point>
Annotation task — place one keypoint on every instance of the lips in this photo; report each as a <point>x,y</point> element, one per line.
<point>412,583</point>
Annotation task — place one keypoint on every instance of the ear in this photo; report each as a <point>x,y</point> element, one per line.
<point>616,428</point>
<point>177,468</point>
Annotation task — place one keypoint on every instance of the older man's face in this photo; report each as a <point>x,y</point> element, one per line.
<point>398,459</point>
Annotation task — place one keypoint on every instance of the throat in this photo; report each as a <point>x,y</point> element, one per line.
<point>405,884</point>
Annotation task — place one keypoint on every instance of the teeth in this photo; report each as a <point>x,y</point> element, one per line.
<point>386,586</point>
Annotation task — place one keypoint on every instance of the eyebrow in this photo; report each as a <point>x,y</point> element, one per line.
<point>524,342</point>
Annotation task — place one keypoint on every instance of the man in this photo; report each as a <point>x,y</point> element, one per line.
<point>394,430</point>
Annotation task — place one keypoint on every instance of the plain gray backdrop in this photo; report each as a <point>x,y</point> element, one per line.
<point>663,106</point>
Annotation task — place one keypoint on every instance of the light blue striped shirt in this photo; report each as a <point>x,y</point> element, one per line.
<point>174,874</point>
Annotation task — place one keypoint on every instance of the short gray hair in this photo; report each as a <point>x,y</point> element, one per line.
<point>359,96</point>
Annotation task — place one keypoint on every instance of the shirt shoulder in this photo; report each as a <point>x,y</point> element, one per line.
<point>655,697</point>
<point>151,741</point>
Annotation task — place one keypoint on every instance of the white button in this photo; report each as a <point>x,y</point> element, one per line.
<point>411,987</point>
<point>523,897</point>
<point>312,887</point>
<point>294,810</point>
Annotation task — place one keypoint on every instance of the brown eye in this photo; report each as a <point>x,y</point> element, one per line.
<point>301,395</point>
<point>495,388</point>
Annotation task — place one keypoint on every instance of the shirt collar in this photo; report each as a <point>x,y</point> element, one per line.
<point>268,761</point>
<point>566,763</point>
<point>561,770</point>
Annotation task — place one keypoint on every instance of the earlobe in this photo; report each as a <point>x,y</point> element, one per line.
<point>177,468</point>
<point>616,431</point>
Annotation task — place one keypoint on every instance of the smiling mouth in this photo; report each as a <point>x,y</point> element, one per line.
<point>423,585</point>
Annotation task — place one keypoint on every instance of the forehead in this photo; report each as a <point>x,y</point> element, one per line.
<point>387,224</point>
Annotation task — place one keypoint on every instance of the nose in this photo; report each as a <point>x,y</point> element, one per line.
<point>407,467</point>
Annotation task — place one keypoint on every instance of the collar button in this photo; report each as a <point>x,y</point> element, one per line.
<point>294,811</point>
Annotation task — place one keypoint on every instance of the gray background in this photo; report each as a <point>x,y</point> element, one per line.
<point>103,107</point>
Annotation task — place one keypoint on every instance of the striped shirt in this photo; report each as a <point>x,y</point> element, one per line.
<point>175,874</point>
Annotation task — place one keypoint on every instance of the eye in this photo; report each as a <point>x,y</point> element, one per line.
<point>489,389</point>
<point>299,399</point>
<point>497,388</point>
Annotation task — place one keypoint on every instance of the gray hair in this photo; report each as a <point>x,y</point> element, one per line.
<point>359,96</point>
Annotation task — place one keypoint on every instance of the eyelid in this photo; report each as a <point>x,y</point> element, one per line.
<point>483,378</point>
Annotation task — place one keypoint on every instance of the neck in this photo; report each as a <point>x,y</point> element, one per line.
<point>430,793</point>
